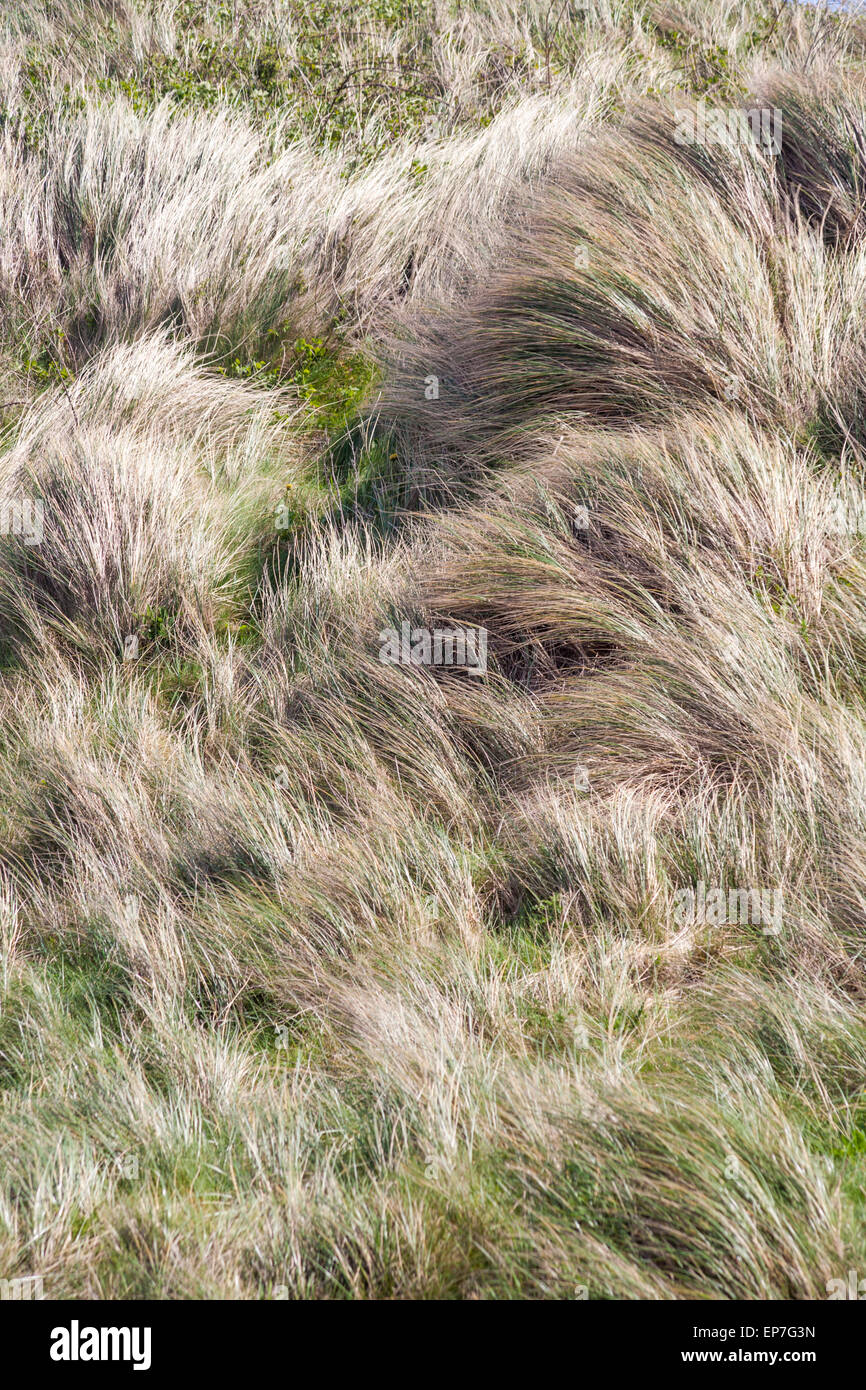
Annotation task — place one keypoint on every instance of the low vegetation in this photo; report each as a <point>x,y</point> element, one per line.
<point>328,977</point>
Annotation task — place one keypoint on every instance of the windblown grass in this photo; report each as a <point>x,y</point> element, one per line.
<point>324,977</point>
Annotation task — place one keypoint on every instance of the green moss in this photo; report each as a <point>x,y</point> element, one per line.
<point>705,68</point>
<point>331,385</point>
<point>47,367</point>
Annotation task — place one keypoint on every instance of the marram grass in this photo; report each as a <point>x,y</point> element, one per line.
<point>329,977</point>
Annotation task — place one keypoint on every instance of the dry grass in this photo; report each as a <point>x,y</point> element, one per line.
<point>323,977</point>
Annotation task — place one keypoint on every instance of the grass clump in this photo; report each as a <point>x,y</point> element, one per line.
<point>334,976</point>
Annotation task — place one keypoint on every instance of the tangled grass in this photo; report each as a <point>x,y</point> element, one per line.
<point>324,977</point>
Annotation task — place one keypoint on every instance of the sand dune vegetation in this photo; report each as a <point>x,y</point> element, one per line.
<point>331,976</point>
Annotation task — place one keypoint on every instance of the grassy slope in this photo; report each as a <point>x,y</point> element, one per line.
<point>322,977</point>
